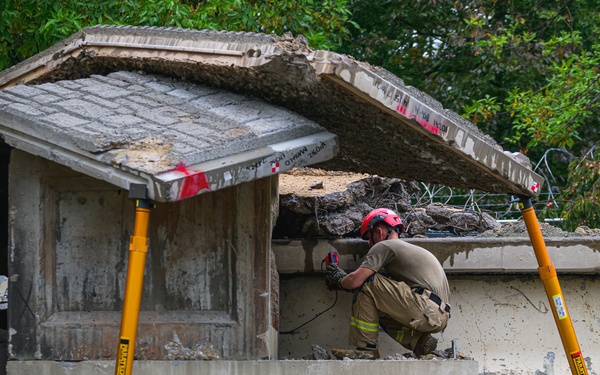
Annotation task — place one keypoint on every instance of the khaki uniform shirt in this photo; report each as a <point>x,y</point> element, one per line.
<point>409,263</point>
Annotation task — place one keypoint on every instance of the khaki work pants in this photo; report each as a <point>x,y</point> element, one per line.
<point>402,313</point>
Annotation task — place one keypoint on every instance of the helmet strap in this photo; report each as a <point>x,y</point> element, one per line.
<point>389,232</point>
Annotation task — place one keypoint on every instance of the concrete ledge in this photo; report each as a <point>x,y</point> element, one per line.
<point>358,367</point>
<point>461,255</point>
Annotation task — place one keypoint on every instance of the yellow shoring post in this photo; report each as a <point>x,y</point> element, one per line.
<point>138,247</point>
<point>555,297</point>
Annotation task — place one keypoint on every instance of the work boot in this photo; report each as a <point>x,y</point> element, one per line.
<point>425,345</point>
<point>355,353</point>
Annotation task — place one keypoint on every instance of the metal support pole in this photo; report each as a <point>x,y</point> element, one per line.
<point>138,247</point>
<point>555,297</point>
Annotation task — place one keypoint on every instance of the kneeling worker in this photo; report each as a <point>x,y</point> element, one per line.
<point>399,286</point>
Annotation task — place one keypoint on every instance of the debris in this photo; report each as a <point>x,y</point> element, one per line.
<point>448,354</point>
<point>320,353</point>
<point>587,231</point>
<point>202,352</point>
<point>355,354</point>
<point>518,229</point>
<point>336,204</point>
<point>398,357</point>
<point>334,207</point>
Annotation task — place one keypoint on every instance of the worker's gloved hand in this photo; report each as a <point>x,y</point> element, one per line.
<point>334,276</point>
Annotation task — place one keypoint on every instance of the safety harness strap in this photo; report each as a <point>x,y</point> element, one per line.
<point>434,297</point>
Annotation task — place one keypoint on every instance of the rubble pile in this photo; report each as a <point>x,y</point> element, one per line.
<point>518,229</point>
<point>320,353</point>
<point>320,204</point>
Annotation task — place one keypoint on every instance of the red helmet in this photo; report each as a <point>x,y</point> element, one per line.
<point>380,214</point>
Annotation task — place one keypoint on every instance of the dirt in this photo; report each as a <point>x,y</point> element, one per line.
<point>311,182</point>
<point>151,154</point>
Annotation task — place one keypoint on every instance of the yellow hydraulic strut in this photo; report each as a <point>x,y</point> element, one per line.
<point>555,297</point>
<point>138,247</point>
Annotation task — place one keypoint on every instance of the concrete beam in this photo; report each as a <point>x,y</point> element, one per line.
<point>462,255</point>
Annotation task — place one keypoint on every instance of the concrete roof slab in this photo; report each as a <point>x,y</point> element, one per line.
<point>384,127</point>
<point>163,143</point>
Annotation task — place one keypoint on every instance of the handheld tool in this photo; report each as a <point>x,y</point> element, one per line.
<point>331,258</point>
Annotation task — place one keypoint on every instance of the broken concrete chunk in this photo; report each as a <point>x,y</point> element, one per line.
<point>319,353</point>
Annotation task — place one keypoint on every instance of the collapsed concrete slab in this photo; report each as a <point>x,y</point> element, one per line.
<point>384,127</point>
<point>179,139</point>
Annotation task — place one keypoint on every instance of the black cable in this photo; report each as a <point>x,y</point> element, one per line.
<point>316,316</point>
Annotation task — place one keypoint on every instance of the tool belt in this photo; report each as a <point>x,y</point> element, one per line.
<point>434,297</point>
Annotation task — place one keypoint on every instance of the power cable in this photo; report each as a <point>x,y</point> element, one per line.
<point>315,317</point>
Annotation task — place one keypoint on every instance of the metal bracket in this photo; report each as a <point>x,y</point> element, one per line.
<point>138,191</point>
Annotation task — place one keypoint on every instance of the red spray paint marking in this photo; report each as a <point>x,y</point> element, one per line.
<point>432,128</point>
<point>428,126</point>
<point>401,109</point>
<point>193,183</point>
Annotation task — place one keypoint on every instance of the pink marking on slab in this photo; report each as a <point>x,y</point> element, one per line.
<point>401,109</point>
<point>432,128</point>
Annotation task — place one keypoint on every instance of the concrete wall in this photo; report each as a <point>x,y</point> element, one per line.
<point>501,316</point>
<point>208,278</point>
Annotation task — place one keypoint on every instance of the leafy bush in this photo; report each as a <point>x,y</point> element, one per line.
<point>30,26</point>
<point>581,199</point>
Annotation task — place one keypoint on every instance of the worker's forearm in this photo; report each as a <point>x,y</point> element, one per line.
<point>352,281</point>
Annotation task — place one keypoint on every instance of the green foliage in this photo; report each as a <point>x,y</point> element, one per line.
<point>581,200</point>
<point>553,115</point>
<point>30,26</point>
<point>482,110</point>
<point>323,22</point>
